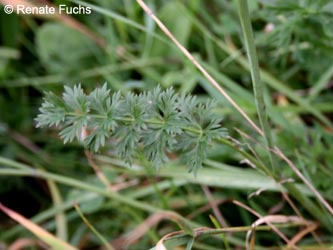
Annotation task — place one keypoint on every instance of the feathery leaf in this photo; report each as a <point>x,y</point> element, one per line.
<point>155,123</point>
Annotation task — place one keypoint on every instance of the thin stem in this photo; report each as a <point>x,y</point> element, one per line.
<point>311,187</point>
<point>129,120</point>
<point>309,205</point>
<point>253,160</point>
<point>260,217</point>
<point>261,110</point>
<point>100,175</point>
<point>86,114</point>
<point>203,231</point>
<point>107,245</point>
<point>255,75</point>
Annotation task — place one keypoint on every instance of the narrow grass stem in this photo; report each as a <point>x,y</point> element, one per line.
<point>261,110</point>
<point>107,245</point>
<point>258,88</point>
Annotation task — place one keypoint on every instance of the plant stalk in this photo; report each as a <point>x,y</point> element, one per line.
<point>258,88</point>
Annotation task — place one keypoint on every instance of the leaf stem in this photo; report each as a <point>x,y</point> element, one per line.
<point>151,121</point>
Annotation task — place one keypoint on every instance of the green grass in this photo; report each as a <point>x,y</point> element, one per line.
<point>125,48</point>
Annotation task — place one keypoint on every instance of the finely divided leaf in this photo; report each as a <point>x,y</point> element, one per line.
<point>154,122</point>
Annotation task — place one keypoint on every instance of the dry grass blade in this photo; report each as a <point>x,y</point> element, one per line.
<point>197,232</point>
<point>278,152</point>
<point>206,207</point>
<point>23,243</point>
<point>100,175</point>
<point>214,207</point>
<point>278,219</point>
<point>261,219</point>
<point>309,229</point>
<point>141,229</point>
<point>160,244</point>
<point>42,234</point>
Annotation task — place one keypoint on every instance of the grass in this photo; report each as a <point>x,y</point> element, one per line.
<point>89,201</point>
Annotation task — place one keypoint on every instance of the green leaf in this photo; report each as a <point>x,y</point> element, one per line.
<point>154,123</point>
<point>52,112</point>
<point>76,100</point>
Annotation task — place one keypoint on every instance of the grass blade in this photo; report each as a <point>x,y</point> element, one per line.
<point>92,228</point>
<point>255,75</point>
<point>42,234</point>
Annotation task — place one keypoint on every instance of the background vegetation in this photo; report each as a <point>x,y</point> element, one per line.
<point>90,201</point>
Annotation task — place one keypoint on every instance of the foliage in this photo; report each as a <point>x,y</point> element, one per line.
<point>300,44</point>
<point>160,121</point>
<point>121,45</point>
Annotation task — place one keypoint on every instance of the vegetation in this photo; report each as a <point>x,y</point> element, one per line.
<point>161,121</point>
<point>103,116</point>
